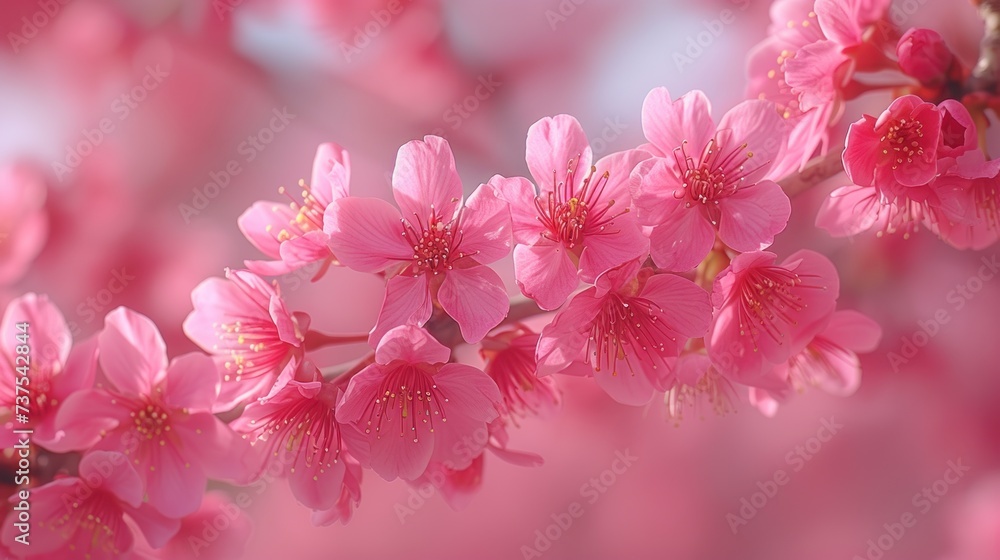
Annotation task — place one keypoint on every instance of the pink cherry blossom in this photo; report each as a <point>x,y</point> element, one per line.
<point>436,251</point>
<point>24,223</point>
<point>578,223</point>
<point>85,516</point>
<point>708,179</point>
<point>830,361</point>
<point>194,540</point>
<point>970,191</point>
<point>293,233</point>
<point>157,413</point>
<point>898,148</point>
<point>350,497</point>
<point>510,362</point>
<point>55,369</point>
<point>766,313</point>
<point>414,408</point>
<point>698,385</point>
<point>298,436</point>
<point>629,329</point>
<point>923,54</point>
<point>242,320</point>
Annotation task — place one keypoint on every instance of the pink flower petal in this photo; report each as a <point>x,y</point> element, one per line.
<point>653,183</point>
<point>407,302</point>
<point>682,241</point>
<point>410,344</point>
<point>545,273</point>
<point>756,123</point>
<point>486,226</point>
<point>116,475</point>
<point>667,124</point>
<point>849,211</point>
<point>133,356</point>
<point>306,249</point>
<point>686,305</point>
<point>425,178</point>
<point>853,330</point>
<point>261,223</point>
<point>604,251</point>
<point>192,382</point>
<point>366,234</point>
<point>176,486</point>
<point>752,216</point>
<point>552,143</point>
<point>84,417</point>
<point>564,340</point>
<point>476,298</point>
<point>331,173</point>
<point>519,193</point>
<point>629,388</point>
<point>862,151</point>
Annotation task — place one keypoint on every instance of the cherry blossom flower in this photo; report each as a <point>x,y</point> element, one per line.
<point>413,408</point>
<point>707,178</point>
<point>243,321</point>
<point>55,369</point>
<point>578,223</point>
<point>219,530</point>
<point>157,413</point>
<point>436,251</point>
<point>299,437</point>
<point>24,223</point>
<point>806,66</point>
<point>293,233</point>
<point>766,313</point>
<point>698,385</point>
<point>85,516</point>
<point>510,362</point>
<point>898,148</point>
<point>628,329</point>
<point>829,361</point>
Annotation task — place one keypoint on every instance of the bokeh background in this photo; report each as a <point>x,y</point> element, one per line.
<point>139,213</point>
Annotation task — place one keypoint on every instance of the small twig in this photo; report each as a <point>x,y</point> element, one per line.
<point>986,75</point>
<point>816,171</point>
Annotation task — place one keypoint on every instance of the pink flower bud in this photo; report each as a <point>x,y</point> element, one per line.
<point>923,54</point>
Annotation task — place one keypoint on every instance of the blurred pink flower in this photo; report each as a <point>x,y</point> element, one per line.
<point>898,148</point>
<point>510,362</point>
<point>296,430</point>
<point>242,321</point>
<point>698,384</point>
<point>413,407</point>
<point>350,497</point>
<point>55,369</point>
<point>766,313</point>
<point>923,54</point>
<point>24,223</point>
<point>436,251</point>
<point>84,516</point>
<point>293,233</point>
<point>970,194</point>
<point>578,222</point>
<point>708,178</point>
<point>829,361</point>
<point>629,329</point>
<point>157,414</point>
<point>219,530</point>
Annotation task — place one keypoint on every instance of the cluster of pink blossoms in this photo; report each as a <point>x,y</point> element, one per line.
<point>647,270</point>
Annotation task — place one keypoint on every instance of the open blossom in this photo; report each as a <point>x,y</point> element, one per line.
<point>157,413</point>
<point>628,329</point>
<point>54,373</point>
<point>242,321</point>
<point>414,408</point>
<point>768,312</point>
<point>298,436</point>
<point>898,148</point>
<point>578,223</point>
<point>84,516</point>
<point>707,178</point>
<point>970,191</point>
<point>806,65</point>
<point>436,251</point>
<point>293,233</point>
<point>24,223</point>
<point>829,361</point>
<point>510,362</point>
<point>697,385</point>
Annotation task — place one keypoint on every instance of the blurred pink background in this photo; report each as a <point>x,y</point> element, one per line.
<point>135,218</point>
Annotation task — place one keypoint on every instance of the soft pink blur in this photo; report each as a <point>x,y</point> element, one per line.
<point>155,125</point>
